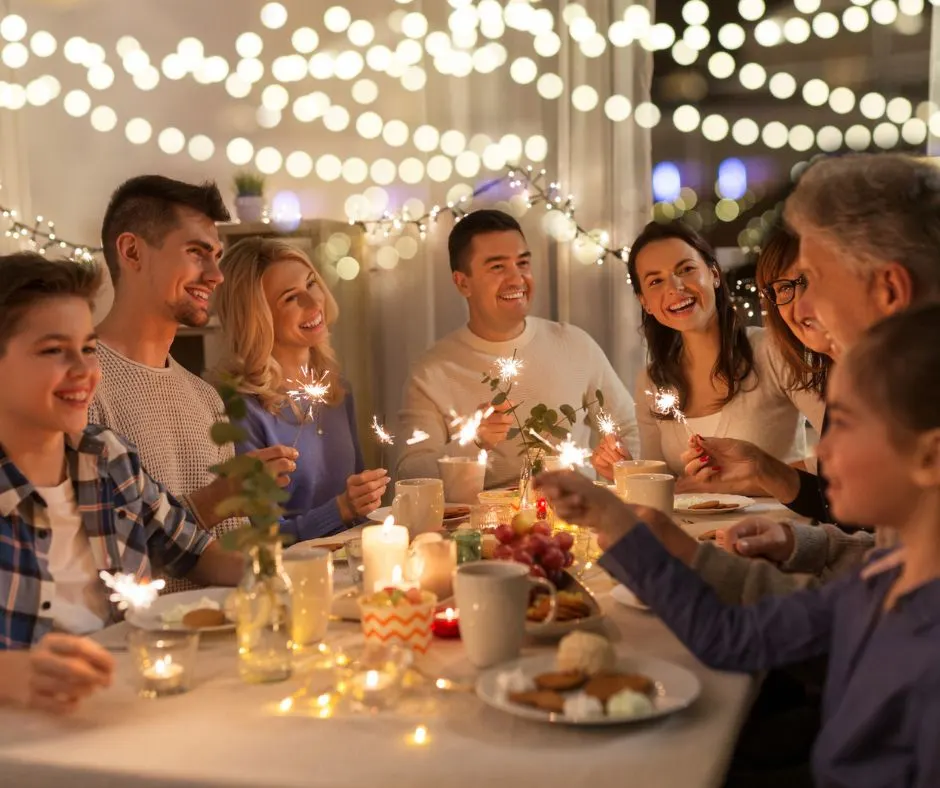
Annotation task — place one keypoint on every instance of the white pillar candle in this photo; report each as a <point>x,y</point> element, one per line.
<point>383,548</point>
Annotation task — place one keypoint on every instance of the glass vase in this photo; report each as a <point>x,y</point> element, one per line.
<point>263,617</point>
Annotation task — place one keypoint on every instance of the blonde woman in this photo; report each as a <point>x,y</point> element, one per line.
<point>275,312</point>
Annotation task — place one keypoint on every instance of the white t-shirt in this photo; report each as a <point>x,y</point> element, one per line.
<point>80,603</point>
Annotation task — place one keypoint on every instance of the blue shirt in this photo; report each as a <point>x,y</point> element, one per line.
<point>128,518</point>
<point>881,707</point>
<point>329,454</point>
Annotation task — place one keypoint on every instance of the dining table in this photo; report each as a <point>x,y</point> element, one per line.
<point>225,732</point>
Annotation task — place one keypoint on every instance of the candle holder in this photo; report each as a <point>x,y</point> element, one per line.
<point>372,677</point>
<point>165,661</point>
<point>446,624</point>
<point>398,621</point>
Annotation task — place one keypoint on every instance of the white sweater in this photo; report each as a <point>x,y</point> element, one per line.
<point>762,412</point>
<point>561,364</point>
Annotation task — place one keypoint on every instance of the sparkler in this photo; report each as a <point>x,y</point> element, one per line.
<point>666,403</point>
<point>570,455</point>
<point>483,457</point>
<point>508,368</point>
<point>467,428</point>
<point>606,424</point>
<point>310,392</point>
<point>128,593</point>
<point>381,434</point>
<point>418,436</point>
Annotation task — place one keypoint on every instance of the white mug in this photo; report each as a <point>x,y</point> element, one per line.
<point>463,478</point>
<point>493,597</point>
<point>419,505</point>
<point>625,468</point>
<point>656,490</point>
<point>311,575</point>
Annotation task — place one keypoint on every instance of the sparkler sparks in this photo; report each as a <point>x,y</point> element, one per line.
<point>606,424</point>
<point>666,403</point>
<point>467,428</point>
<point>418,436</point>
<point>571,455</point>
<point>310,390</point>
<point>483,457</point>
<point>128,593</point>
<point>508,368</point>
<point>381,434</point>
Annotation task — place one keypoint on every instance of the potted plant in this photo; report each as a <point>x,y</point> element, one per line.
<point>263,598</point>
<point>249,196</point>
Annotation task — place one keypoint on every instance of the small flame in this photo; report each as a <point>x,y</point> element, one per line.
<point>508,368</point>
<point>387,525</point>
<point>381,434</point>
<point>483,457</point>
<point>128,593</point>
<point>418,436</point>
<point>397,575</point>
<point>372,679</point>
<point>449,614</point>
<point>420,735</point>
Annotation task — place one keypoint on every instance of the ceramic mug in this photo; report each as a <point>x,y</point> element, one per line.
<point>419,505</point>
<point>656,490</point>
<point>311,577</point>
<point>493,597</point>
<point>463,478</point>
<point>625,468</point>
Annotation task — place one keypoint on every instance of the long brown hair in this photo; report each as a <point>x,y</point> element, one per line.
<point>248,326</point>
<point>735,360</point>
<point>807,370</point>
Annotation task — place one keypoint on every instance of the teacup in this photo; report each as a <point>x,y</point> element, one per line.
<point>656,490</point>
<point>625,468</point>
<point>419,505</point>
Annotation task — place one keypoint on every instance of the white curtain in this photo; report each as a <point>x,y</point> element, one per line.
<point>605,165</point>
<point>14,180</point>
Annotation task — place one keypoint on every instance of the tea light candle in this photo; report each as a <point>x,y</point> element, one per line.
<point>370,685</point>
<point>446,624</point>
<point>433,563</point>
<point>163,677</point>
<point>397,581</point>
<point>383,548</point>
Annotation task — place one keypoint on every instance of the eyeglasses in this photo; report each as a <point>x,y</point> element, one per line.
<point>781,292</point>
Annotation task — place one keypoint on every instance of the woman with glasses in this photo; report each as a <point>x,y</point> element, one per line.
<point>729,381</point>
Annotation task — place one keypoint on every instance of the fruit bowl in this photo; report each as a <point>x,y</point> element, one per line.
<point>529,540</point>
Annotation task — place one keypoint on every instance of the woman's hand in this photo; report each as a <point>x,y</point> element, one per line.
<point>576,499</point>
<point>758,537</point>
<point>58,673</point>
<point>608,452</point>
<point>363,494</point>
<point>721,460</point>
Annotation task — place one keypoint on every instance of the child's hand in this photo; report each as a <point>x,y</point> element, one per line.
<point>62,670</point>
<point>576,499</point>
<point>759,537</point>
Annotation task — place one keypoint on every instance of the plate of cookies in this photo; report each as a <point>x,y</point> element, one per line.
<point>711,504</point>
<point>587,683</point>
<point>576,608</point>
<point>202,610</point>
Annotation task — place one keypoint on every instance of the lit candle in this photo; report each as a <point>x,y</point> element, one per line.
<point>397,581</point>
<point>164,677</point>
<point>432,564</point>
<point>383,548</point>
<point>370,686</point>
<point>446,624</point>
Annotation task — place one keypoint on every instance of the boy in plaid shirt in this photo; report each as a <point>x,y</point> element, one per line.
<point>74,499</point>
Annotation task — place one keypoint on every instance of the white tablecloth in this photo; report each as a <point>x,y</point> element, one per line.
<point>227,733</point>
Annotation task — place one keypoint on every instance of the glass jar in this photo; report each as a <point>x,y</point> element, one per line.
<point>263,616</point>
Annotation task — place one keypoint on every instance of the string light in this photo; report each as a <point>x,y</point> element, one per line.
<point>40,236</point>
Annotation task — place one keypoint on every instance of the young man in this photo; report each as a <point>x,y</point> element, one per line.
<point>162,249</point>
<point>491,266</point>
<point>74,499</point>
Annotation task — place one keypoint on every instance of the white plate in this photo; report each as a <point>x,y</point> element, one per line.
<point>299,548</point>
<point>625,596</point>
<point>558,629</point>
<point>151,618</point>
<point>676,689</point>
<point>683,502</point>
<point>379,515</point>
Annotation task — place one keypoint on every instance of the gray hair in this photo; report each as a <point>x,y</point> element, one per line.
<point>874,209</point>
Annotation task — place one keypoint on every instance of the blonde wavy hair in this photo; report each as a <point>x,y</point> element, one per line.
<point>248,326</point>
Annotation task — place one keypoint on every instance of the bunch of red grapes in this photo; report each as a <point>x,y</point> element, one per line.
<point>533,544</point>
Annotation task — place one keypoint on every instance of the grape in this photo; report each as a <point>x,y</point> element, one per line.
<point>505,534</point>
<point>569,559</point>
<point>522,556</point>
<point>538,544</point>
<point>541,527</point>
<point>564,540</point>
<point>536,571</point>
<point>553,558</point>
<point>503,552</point>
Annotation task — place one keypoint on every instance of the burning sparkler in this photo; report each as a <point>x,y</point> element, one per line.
<point>310,390</point>
<point>508,368</point>
<point>418,436</point>
<point>467,428</point>
<point>666,403</point>
<point>381,434</point>
<point>128,593</point>
<point>570,455</point>
<point>606,424</point>
<point>483,457</point>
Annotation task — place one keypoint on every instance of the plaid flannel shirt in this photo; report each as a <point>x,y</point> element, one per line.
<point>129,518</point>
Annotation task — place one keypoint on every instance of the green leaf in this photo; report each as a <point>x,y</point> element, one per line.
<point>233,506</point>
<point>538,411</point>
<point>584,402</point>
<point>223,432</point>
<point>237,409</point>
<point>499,399</point>
<point>513,433</point>
<point>551,417</point>
<point>558,432</point>
<point>569,413</point>
<point>494,384</point>
<point>486,378</point>
<point>241,465</point>
<point>599,395</point>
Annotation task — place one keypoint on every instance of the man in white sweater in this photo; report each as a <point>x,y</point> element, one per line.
<point>162,249</point>
<point>561,364</point>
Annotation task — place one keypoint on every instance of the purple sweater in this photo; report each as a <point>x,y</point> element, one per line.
<point>326,460</point>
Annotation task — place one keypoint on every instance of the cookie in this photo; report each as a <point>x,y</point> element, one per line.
<point>708,536</point>
<point>546,700</point>
<point>713,506</point>
<point>570,606</point>
<point>604,686</point>
<point>453,512</point>
<point>562,681</point>
<point>204,617</point>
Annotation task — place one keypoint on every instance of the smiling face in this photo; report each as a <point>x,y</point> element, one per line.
<point>296,300</point>
<point>677,287</point>
<point>178,275</point>
<point>50,368</point>
<point>499,285</point>
<point>806,330</point>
